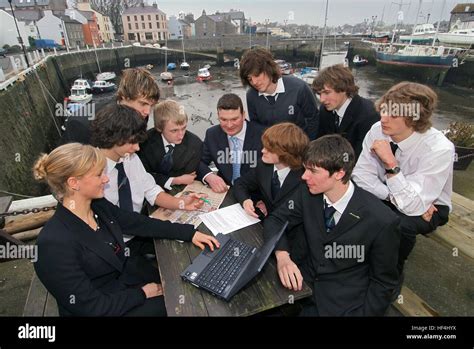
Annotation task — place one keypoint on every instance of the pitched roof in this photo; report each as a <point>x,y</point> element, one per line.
<point>461,8</point>
<point>67,19</point>
<point>26,15</point>
<point>234,14</point>
<point>218,18</point>
<point>142,10</point>
<point>88,14</point>
<point>183,22</point>
<point>23,3</point>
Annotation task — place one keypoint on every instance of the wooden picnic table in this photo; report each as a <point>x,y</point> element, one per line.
<point>264,292</point>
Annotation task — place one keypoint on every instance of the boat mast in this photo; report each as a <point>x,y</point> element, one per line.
<point>96,58</point>
<point>324,35</point>
<point>182,42</point>
<point>166,52</point>
<point>416,22</point>
<point>396,24</point>
<point>439,21</point>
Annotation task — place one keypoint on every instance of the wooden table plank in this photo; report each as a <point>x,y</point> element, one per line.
<point>262,293</point>
<point>180,298</point>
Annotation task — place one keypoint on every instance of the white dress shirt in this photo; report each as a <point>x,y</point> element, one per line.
<point>279,89</point>
<point>426,177</point>
<point>341,204</point>
<point>142,184</point>
<point>282,174</point>
<point>342,110</point>
<point>165,144</point>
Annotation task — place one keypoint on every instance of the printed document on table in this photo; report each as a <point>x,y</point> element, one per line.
<point>227,219</point>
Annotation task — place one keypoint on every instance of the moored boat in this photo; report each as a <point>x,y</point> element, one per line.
<point>103,86</point>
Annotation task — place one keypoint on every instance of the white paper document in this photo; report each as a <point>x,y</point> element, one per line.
<point>227,219</point>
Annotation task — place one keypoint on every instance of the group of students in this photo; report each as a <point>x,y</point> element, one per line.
<point>355,181</point>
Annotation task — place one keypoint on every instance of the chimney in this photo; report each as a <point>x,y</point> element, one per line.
<point>155,5</point>
<point>142,4</point>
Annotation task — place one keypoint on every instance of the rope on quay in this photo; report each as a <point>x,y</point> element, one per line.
<point>43,87</point>
<point>16,194</point>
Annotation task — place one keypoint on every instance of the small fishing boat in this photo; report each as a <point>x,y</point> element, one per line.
<point>103,86</point>
<point>106,76</point>
<point>80,95</point>
<point>203,74</point>
<point>166,76</point>
<point>359,61</point>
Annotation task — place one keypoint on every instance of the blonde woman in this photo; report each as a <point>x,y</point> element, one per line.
<point>82,258</point>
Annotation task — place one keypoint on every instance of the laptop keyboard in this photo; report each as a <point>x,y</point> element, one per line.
<point>224,267</point>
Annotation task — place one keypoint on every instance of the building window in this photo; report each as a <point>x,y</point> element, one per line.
<point>131,36</point>
<point>129,26</point>
<point>136,25</point>
<point>149,17</point>
<point>149,36</point>
<point>143,25</point>
<point>142,17</point>
<point>149,25</point>
<point>135,18</point>
<point>158,25</point>
<point>157,18</point>
<point>128,18</point>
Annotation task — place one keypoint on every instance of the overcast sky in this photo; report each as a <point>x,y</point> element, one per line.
<point>312,11</point>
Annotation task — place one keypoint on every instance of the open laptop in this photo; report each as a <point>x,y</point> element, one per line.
<point>229,268</point>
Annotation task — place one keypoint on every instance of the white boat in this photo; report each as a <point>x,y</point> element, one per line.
<point>307,74</point>
<point>106,76</point>
<point>166,76</point>
<point>103,86</point>
<point>359,61</point>
<point>422,34</point>
<point>80,95</point>
<point>207,66</point>
<point>184,65</point>
<point>203,74</point>
<point>83,83</point>
<point>457,37</point>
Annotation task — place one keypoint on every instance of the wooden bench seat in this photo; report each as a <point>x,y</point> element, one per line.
<point>39,301</point>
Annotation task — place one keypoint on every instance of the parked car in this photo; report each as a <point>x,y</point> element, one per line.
<point>3,52</point>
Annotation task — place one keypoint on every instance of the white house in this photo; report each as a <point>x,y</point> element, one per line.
<point>8,33</point>
<point>51,27</point>
<point>174,28</point>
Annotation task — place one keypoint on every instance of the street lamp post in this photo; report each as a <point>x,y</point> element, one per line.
<point>20,39</point>
<point>249,26</point>
<point>266,30</point>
